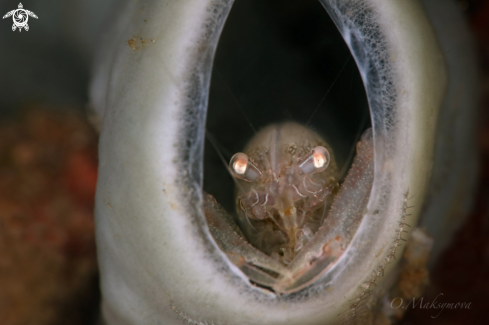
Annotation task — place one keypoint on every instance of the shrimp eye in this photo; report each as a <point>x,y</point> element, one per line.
<point>242,168</point>
<point>317,161</point>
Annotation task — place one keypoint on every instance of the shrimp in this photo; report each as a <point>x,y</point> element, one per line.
<point>286,178</point>
<point>294,220</point>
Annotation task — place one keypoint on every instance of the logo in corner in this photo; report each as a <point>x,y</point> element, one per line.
<point>20,17</point>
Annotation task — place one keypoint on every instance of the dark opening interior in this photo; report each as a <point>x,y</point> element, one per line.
<point>277,61</point>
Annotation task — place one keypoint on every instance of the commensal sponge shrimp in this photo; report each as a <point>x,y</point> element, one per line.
<point>285,182</point>
<point>290,205</point>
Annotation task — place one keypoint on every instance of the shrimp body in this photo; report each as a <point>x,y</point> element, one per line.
<point>285,181</point>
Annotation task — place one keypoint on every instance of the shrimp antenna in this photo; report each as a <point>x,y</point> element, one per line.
<point>214,143</point>
<point>328,91</point>
<point>231,92</point>
<point>348,160</point>
<point>325,95</point>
